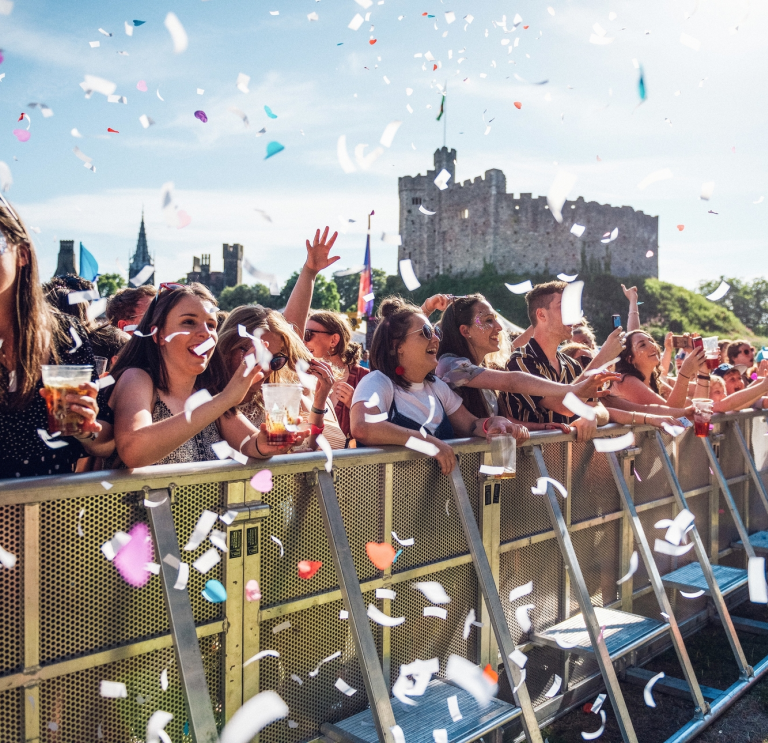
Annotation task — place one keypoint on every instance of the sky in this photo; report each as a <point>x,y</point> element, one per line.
<point>704,120</point>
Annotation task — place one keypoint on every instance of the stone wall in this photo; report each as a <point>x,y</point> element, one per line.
<point>478,222</point>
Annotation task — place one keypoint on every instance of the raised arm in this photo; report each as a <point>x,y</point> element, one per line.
<point>688,371</point>
<point>297,309</point>
<point>743,398</point>
<point>523,338</point>
<point>666,358</point>
<point>436,302</point>
<point>633,321</point>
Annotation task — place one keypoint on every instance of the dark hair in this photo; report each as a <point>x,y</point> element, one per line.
<point>144,353</point>
<point>541,297</point>
<point>461,311</point>
<point>625,367</point>
<point>394,323</point>
<point>576,350</point>
<point>122,305</point>
<point>734,347</point>
<point>57,292</point>
<point>335,322</point>
<point>107,341</point>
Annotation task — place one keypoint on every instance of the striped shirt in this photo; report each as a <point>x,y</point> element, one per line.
<point>532,360</point>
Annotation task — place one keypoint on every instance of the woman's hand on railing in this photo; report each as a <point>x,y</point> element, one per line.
<point>658,421</point>
<point>446,456</point>
<point>262,449</point>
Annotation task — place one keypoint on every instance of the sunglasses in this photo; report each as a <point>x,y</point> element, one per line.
<point>747,351</point>
<point>309,334</point>
<point>428,331</point>
<point>584,360</point>
<point>278,362</point>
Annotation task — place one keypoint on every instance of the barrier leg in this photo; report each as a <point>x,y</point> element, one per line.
<point>185,644</point>
<point>493,603</point>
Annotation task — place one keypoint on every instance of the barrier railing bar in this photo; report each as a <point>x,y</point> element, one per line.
<point>186,647</point>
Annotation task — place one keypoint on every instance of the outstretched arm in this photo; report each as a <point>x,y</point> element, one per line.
<point>297,309</point>
<point>633,321</point>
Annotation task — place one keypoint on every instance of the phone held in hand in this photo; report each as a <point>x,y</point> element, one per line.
<point>616,321</point>
<point>698,342</point>
<point>680,341</point>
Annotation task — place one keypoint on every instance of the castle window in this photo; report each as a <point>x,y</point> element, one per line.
<point>416,200</point>
<point>465,214</point>
<point>517,207</point>
<point>573,206</point>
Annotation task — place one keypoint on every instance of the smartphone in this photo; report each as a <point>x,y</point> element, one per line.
<point>680,341</point>
<point>616,321</point>
<point>698,342</point>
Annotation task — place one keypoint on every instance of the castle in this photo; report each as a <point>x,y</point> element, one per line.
<point>232,275</point>
<point>479,223</point>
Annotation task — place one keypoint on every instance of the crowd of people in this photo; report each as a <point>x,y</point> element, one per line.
<point>462,376</point>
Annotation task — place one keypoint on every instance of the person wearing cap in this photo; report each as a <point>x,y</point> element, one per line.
<point>729,393</point>
<point>731,376</point>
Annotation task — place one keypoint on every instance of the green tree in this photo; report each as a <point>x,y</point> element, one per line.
<point>747,300</point>
<point>235,296</point>
<point>109,283</point>
<point>325,296</point>
<point>348,287</point>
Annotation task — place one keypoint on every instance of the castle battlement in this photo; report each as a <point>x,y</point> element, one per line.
<point>478,222</point>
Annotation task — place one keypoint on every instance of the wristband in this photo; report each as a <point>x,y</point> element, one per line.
<point>683,376</point>
<point>317,411</point>
<point>485,426</point>
<point>316,430</point>
<point>703,376</point>
<point>256,442</point>
<point>90,437</point>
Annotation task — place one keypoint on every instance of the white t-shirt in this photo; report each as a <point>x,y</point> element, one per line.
<point>412,403</point>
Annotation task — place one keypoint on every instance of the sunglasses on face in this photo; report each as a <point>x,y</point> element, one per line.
<point>747,351</point>
<point>276,364</point>
<point>584,360</point>
<point>309,334</point>
<point>428,331</point>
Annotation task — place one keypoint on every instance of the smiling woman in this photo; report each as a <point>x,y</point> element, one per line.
<point>169,359</point>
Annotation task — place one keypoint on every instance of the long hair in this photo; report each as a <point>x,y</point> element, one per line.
<point>462,312</point>
<point>38,332</point>
<point>57,292</point>
<point>625,367</point>
<point>336,322</point>
<point>395,319</point>
<point>144,353</point>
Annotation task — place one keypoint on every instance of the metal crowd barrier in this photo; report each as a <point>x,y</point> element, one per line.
<point>69,621</point>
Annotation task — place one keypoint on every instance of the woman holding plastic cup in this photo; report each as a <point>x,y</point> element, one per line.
<point>34,335</point>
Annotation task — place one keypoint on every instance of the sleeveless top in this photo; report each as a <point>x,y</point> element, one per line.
<point>443,431</point>
<point>196,449</point>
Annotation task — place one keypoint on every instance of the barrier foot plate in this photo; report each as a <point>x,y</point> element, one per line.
<point>622,632</point>
<point>691,578</point>
<point>758,540</point>
<point>431,713</point>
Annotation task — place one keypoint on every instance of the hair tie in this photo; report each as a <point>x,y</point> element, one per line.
<point>399,371</point>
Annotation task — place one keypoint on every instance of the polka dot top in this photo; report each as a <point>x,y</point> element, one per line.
<point>22,452</point>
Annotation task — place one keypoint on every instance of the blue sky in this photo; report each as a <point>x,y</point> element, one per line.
<point>705,120</point>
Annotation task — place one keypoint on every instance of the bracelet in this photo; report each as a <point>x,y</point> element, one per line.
<point>315,430</point>
<point>633,417</point>
<point>683,376</point>
<point>256,442</point>
<point>634,312</point>
<point>90,437</point>
<point>485,426</point>
<point>317,411</point>
<point>703,376</point>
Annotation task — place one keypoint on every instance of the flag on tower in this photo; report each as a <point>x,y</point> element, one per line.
<point>365,292</point>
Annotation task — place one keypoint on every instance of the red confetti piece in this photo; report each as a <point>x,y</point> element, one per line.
<point>587,708</point>
<point>681,227</point>
<point>518,105</point>
<point>372,41</point>
<point>381,555</point>
<point>526,27</point>
<point>490,674</point>
<point>308,568</point>
<point>114,131</point>
<point>20,117</point>
<point>434,67</point>
<point>425,14</point>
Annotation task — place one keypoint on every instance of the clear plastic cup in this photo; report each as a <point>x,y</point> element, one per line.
<point>710,344</point>
<point>99,365</point>
<point>702,412</point>
<point>60,381</point>
<point>281,405</point>
<point>504,454</point>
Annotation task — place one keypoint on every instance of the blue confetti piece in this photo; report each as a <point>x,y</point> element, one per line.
<point>641,86</point>
<point>273,148</point>
<point>186,727</point>
<point>397,554</point>
<point>341,43</point>
<point>269,112</point>
<point>214,592</point>
<point>139,23</point>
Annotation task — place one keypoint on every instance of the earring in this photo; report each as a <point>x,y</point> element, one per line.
<point>399,371</point>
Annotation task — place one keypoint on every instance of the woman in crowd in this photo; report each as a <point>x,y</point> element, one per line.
<point>170,357</point>
<point>403,385</point>
<point>579,351</point>
<point>287,352</point>
<point>32,333</point>
<point>471,335</point>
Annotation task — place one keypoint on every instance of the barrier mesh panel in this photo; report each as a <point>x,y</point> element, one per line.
<point>11,702</point>
<point>72,709</point>
<point>596,550</point>
<point>693,465</point>
<point>650,478</point>
<point>77,582</point>
<point>594,491</point>
<point>314,634</point>
<point>522,513</point>
<point>11,589</point>
<point>731,461</point>
<point>295,520</point>
<point>664,563</point>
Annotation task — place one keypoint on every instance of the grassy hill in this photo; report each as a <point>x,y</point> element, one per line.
<point>665,306</point>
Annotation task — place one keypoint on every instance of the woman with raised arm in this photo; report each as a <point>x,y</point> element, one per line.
<point>33,334</point>
<point>471,334</point>
<point>403,386</point>
<point>169,358</point>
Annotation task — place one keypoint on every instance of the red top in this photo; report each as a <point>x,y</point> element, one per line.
<point>356,373</point>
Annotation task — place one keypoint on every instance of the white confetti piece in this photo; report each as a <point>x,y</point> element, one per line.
<point>112,546</point>
<point>242,82</point>
<point>156,727</point>
<point>674,431</point>
<point>518,658</point>
<point>389,133</point>
<point>164,680</point>
<point>435,611</point>
<point>521,288</point>
<point>468,622</point>
<point>615,444</point>
<point>94,44</point>
<point>76,338</point>
<point>487,469</point>
<point>440,735</point>
<point>255,714</point>
<point>633,565</point>
<point>403,542</point>
<point>194,401</point>
<point>471,678</point>
<point>693,595</point>
<point>520,591</point>
<point>599,731</point>
<point>690,42</point>
<point>648,690</point>
<point>343,614</point>
<point>219,540</point>
<point>297,679</point>
<point>720,292</point>
<point>278,543</point>
<point>202,528</point>
<point>113,690</point>
<point>578,230</point>
<point>376,417</point>
<point>657,175</point>
<point>381,618</point>
<point>609,237</point>
<point>344,687</point>
<point>281,627</point>
<point>665,548</point>
<point>322,442</point>
<point>577,407</point>
<point>207,560</point>
<point>679,526</point>
<point>356,22</point>
<point>758,588</point>
<point>397,734</point>
<point>426,211</point>
<point>541,486</point>
<point>433,592</point>
<point>51,441</point>
<point>521,614</point>
<point>262,654</point>
<point>313,16</point>
<point>597,705</point>
<point>563,642</point>
<point>205,346</point>
<point>84,296</point>
<point>571,303</point>
<point>7,560</point>
<point>453,708</point>
<point>555,688</point>
<point>183,577</point>
<point>177,32</point>
<point>558,192</point>
<point>386,593</point>
<point>442,178</point>
<point>425,447</point>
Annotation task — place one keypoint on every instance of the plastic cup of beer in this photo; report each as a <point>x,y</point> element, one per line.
<point>702,412</point>
<point>504,454</point>
<point>60,381</point>
<point>281,404</point>
<point>99,365</point>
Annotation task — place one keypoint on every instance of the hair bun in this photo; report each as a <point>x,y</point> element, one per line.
<point>391,306</point>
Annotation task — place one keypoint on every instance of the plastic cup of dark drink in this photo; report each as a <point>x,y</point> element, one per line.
<point>702,412</point>
<point>713,361</point>
<point>282,403</point>
<point>60,381</point>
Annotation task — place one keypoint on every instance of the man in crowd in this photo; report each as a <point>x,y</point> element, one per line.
<point>128,305</point>
<point>540,356</point>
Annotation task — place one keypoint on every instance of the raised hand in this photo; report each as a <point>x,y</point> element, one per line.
<point>436,302</point>
<point>318,251</point>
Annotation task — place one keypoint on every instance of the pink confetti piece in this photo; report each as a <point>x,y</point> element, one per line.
<point>132,559</point>
<point>262,481</point>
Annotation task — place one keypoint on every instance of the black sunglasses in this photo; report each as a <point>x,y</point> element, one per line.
<point>427,331</point>
<point>309,333</point>
<point>278,362</point>
<point>584,360</point>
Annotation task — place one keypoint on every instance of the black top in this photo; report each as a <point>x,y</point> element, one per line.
<point>22,452</point>
<point>532,360</point>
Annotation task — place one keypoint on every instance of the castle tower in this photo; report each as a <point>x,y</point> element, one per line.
<point>66,264</point>
<point>445,158</point>
<point>141,257</point>
<point>233,264</point>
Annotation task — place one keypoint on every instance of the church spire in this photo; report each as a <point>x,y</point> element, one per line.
<point>141,257</point>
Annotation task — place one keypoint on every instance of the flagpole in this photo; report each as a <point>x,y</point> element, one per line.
<point>445,112</point>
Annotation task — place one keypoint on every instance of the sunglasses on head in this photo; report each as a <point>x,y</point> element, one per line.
<point>308,334</point>
<point>428,331</point>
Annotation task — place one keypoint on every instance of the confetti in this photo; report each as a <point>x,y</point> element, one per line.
<point>269,112</point>
<point>242,82</point>
<point>633,565</point>
<point>558,192</point>
<point>281,627</point>
<point>278,543</point>
<point>202,528</point>
<point>207,560</point>
<point>164,680</point>
<point>131,559</point>
<point>571,303</point>
<point>442,178</point>
<point>758,588</point>
<point>380,618</point>
<point>470,677</point>
<point>577,407</point>
<point>7,560</point>
<point>427,212</point>
<point>411,283</point>
<point>194,401</point>
<point>518,658</point>
<point>707,189</point>
<point>273,148</point>
<point>142,275</point>
<point>403,542</point>
<point>521,288</point>
<point>555,688</point>
<point>182,577</point>
<point>609,237</point>
<point>202,116</point>
<point>521,614</point>
<point>679,526</point>
<point>50,441</point>
<point>520,591</point>
<point>389,133</point>
<point>373,402</point>
<point>468,622</point>
<point>262,654</point>
<point>156,727</point>
<point>356,22</point>
<point>386,593</point>
<point>665,548</point>
<point>435,611</point>
<point>453,708</point>
<point>376,417</point>
<point>262,481</point>
<point>380,554</point>
<point>567,277</point>
<point>255,714</point>
<point>177,32</point>
<point>344,688</point>
<point>693,595</point>
<point>308,568</point>
<point>433,591</point>
<point>615,444</point>
<point>322,442</point>
<point>719,293</point>
<point>113,690</point>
